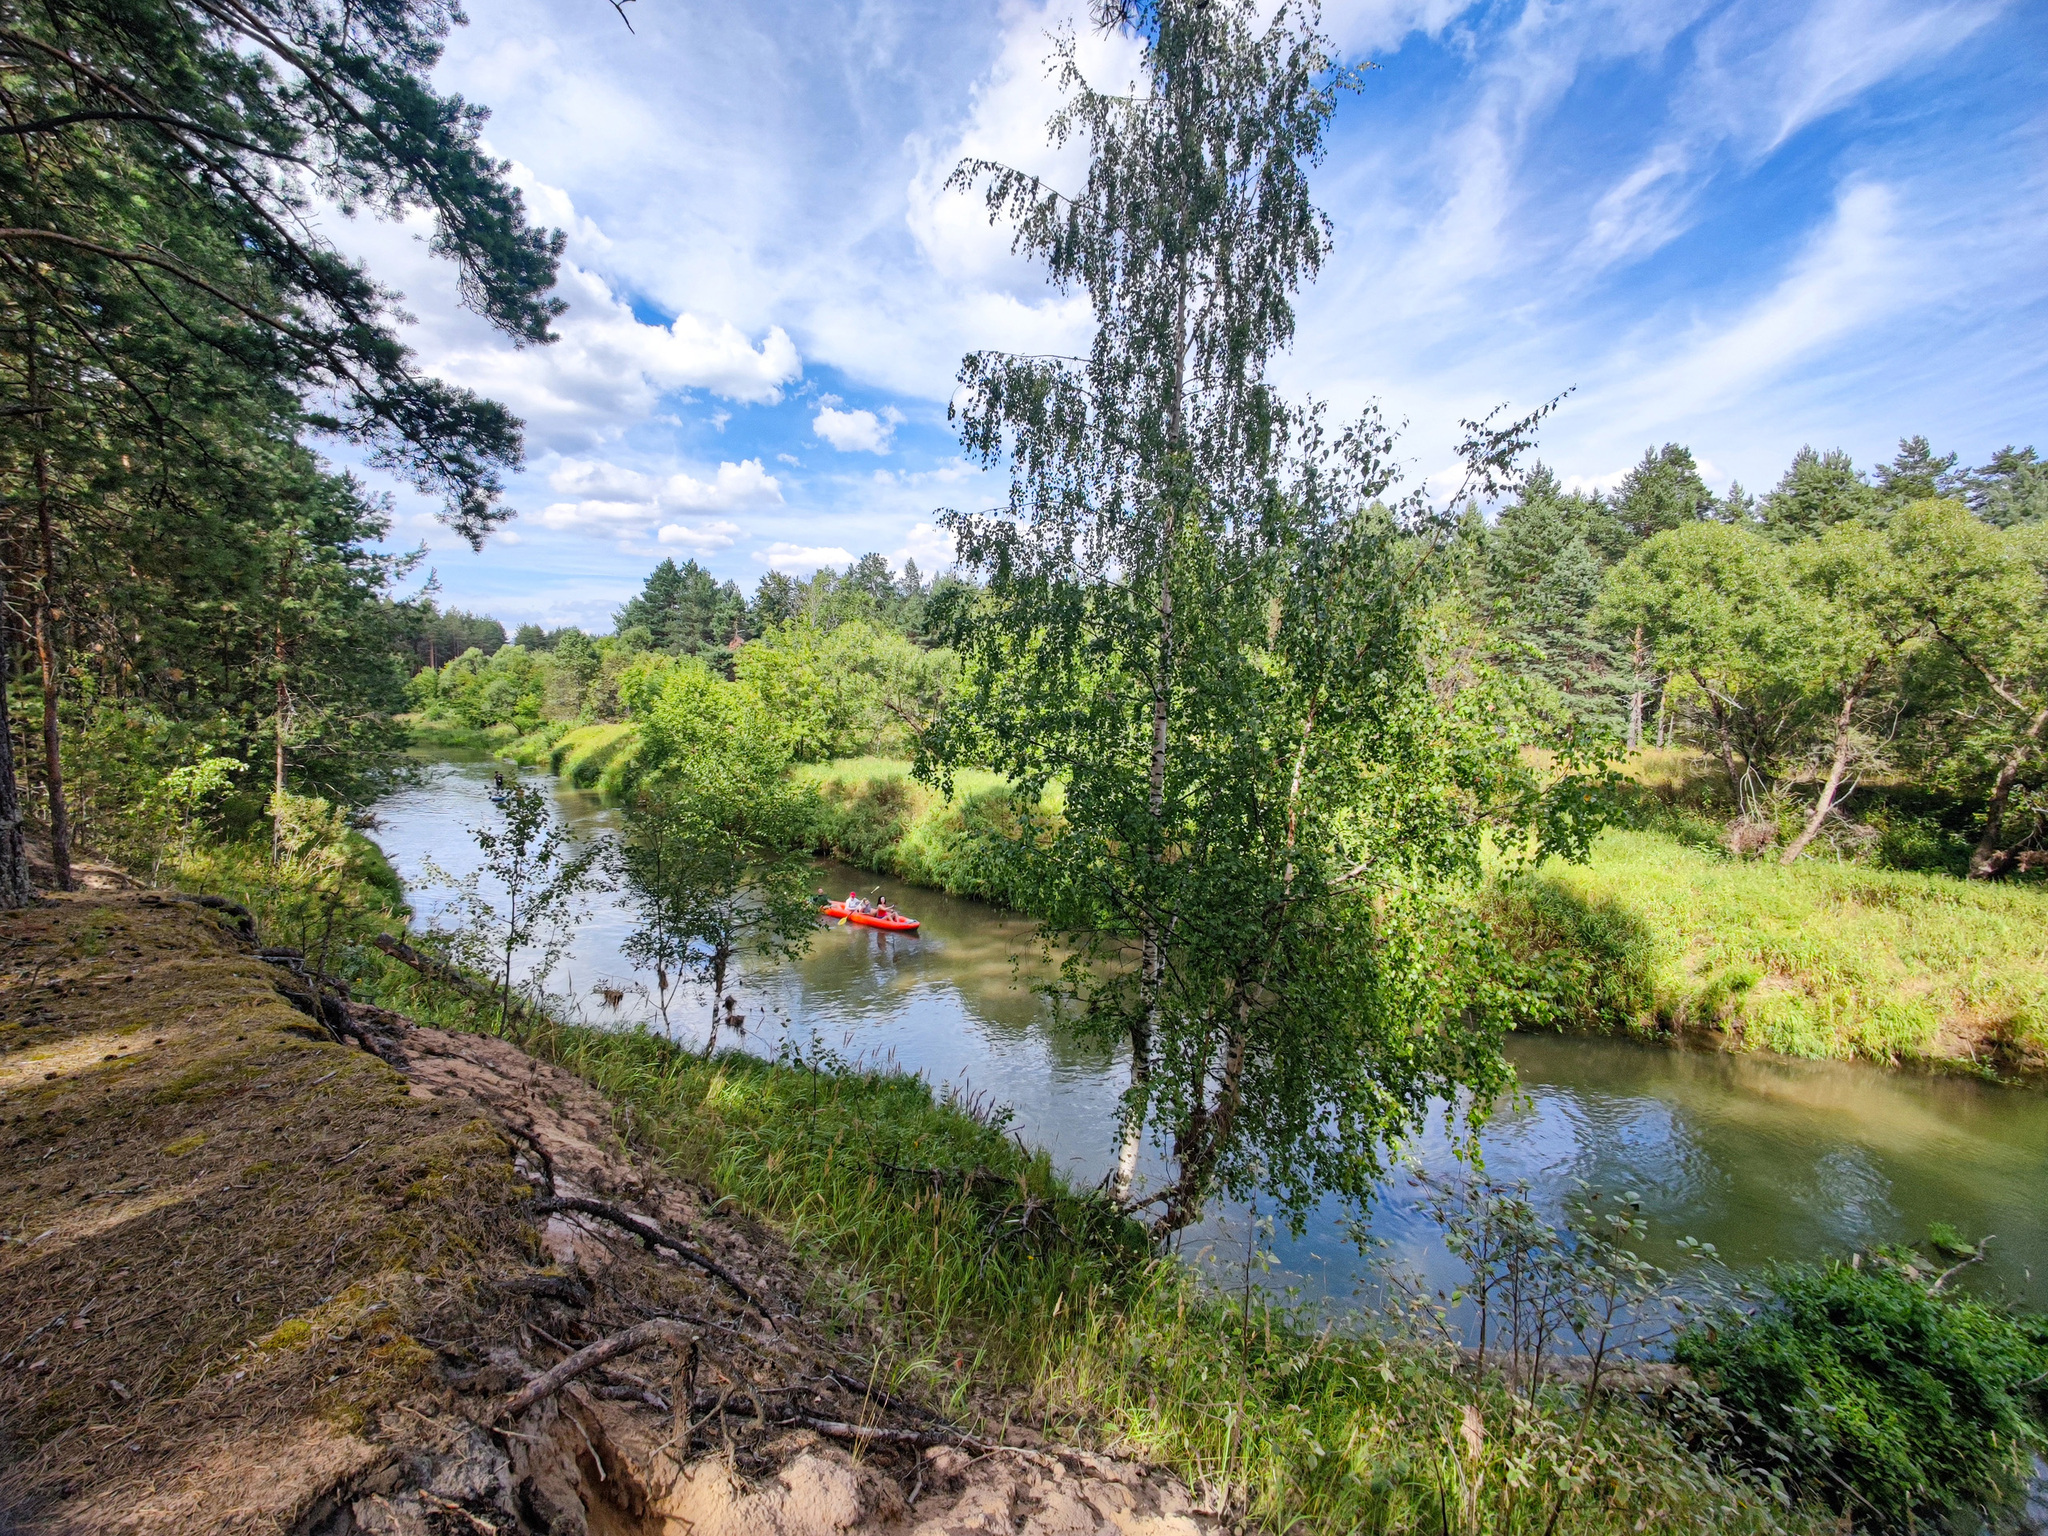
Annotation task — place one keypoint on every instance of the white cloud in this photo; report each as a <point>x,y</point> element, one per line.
<point>802,559</point>
<point>626,501</point>
<point>856,431</point>
<point>705,537</point>
<point>929,545</point>
<point>745,484</point>
<point>1859,268</point>
<point>1603,483</point>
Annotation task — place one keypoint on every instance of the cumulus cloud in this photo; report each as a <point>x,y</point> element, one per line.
<point>929,545</point>
<point>607,371</point>
<point>705,537</point>
<point>615,500</point>
<point>855,431</point>
<point>802,559</point>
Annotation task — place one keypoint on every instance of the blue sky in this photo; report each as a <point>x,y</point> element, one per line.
<point>1744,227</point>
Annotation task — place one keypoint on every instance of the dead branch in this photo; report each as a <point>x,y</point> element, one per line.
<point>652,1236</point>
<point>658,1330</point>
<point>887,1400</point>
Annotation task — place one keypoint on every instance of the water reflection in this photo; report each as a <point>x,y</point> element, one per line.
<point>1764,1159</point>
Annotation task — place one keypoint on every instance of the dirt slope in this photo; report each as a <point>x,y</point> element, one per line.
<point>253,1279</point>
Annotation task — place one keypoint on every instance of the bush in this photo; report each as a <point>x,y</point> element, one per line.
<point>1579,963</point>
<point>1920,843</point>
<point>1873,1389</point>
<point>862,820</point>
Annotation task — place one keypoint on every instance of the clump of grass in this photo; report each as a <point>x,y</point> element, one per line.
<point>1818,959</point>
<point>1879,1390</point>
<point>581,756</point>
<point>875,816</point>
<point>1582,963</point>
<point>1011,1293</point>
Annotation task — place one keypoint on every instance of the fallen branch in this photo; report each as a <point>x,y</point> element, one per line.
<point>651,1235</point>
<point>430,967</point>
<point>838,1429</point>
<point>887,1400</point>
<point>659,1330</point>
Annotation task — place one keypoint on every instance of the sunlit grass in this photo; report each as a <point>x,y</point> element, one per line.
<point>1014,1296</point>
<point>1826,959</point>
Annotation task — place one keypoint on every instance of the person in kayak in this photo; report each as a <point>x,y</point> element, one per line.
<point>854,903</point>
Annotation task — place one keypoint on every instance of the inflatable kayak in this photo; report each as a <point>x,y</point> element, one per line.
<point>894,923</point>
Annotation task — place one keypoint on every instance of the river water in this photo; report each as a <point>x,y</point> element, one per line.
<point>1765,1159</point>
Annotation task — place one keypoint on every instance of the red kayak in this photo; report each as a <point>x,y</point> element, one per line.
<point>893,923</point>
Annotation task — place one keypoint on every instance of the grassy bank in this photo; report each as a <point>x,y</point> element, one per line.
<point>1659,934</point>
<point>1006,1286</point>
<point>1008,1296</point>
<point>1818,959</point>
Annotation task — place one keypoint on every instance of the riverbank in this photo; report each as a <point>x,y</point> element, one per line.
<point>234,1219</point>
<point>1653,938</point>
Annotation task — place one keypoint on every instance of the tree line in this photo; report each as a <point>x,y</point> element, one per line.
<point>1843,629</point>
<point>849,661</point>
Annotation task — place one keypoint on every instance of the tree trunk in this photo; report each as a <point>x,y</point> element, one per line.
<point>1635,699</point>
<point>511,943</point>
<point>1985,859</point>
<point>1152,963</point>
<point>719,958</point>
<point>1851,696</point>
<point>15,887</point>
<point>46,655</point>
<point>1209,1133</point>
<point>1725,737</point>
<point>283,718</point>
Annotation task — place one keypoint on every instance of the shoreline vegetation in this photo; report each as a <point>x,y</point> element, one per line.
<point>1663,934</point>
<point>1284,739</point>
<point>982,1287</point>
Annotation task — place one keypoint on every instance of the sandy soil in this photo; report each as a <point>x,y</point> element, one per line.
<point>257,1278</point>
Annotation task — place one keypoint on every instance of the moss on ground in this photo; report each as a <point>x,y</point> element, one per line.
<point>209,1209</point>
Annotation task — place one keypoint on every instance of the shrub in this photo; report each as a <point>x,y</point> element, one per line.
<point>1578,963</point>
<point>862,820</point>
<point>1875,1389</point>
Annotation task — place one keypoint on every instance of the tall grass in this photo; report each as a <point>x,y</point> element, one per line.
<point>1816,959</point>
<point>1011,1296</point>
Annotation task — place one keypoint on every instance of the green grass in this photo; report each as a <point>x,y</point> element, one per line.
<point>967,782</point>
<point>1007,1294</point>
<point>1818,959</point>
<point>875,816</point>
<point>443,735</point>
<point>581,756</point>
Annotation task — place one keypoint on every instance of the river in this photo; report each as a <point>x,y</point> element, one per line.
<point>1765,1159</point>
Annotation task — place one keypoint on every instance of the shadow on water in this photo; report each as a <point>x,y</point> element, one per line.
<point>1765,1159</point>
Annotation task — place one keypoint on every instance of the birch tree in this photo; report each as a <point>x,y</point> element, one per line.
<point>1200,619</point>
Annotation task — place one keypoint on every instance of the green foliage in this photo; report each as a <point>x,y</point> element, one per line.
<point>580,757</point>
<point>845,690</point>
<point>1663,493</point>
<point>1875,1389</point>
<point>2011,489</point>
<point>684,610</point>
<point>1201,620</point>
<point>1815,959</point>
<point>1585,964</point>
<point>716,839</point>
<point>1718,606</point>
<point>872,814</point>
<point>1816,493</point>
<point>996,1282</point>
<point>524,900</point>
